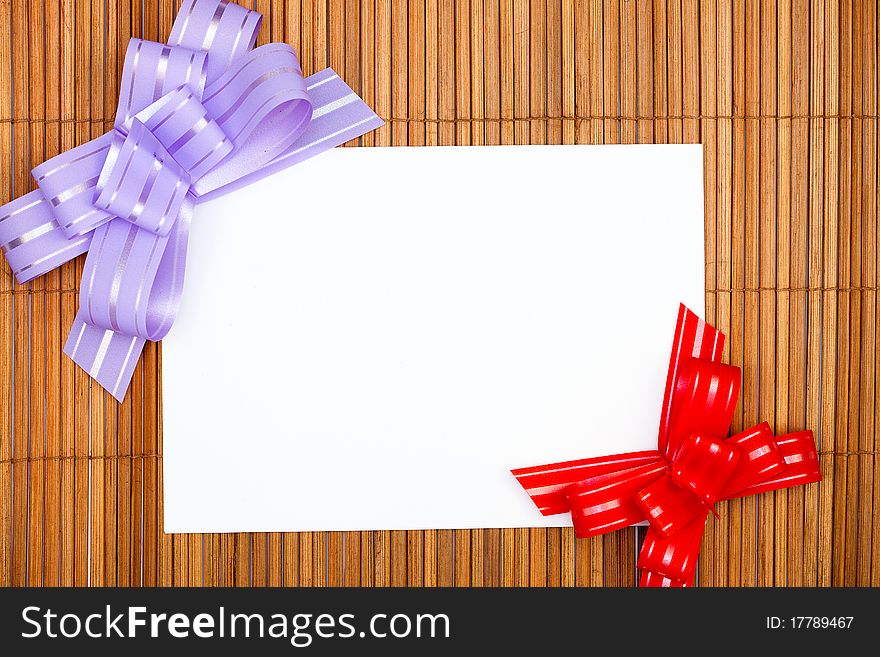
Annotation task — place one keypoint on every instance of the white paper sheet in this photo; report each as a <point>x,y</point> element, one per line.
<point>372,339</point>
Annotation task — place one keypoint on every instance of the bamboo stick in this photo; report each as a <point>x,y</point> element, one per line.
<point>78,44</point>
<point>757,546</point>
<point>715,560</point>
<point>242,561</point>
<point>660,66</point>
<point>305,29</point>
<point>165,557</point>
<point>320,31</point>
<point>868,201</point>
<point>137,491</point>
<point>626,556</point>
<point>554,93</point>
<point>292,19</point>
<point>336,40</point>
<point>628,72</point>
<point>36,482</point>
<point>227,560</point>
<point>773,511</point>
<point>796,237</point>
<point>850,568</point>
<point>67,276</point>
<point>306,560</point>
<point>675,69</point>
<point>874,445</point>
<point>477,83</point>
<point>783,224</point>
<point>335,558</point>
<point>646,94</point>
<point>352,569</point>
<point>835,574</point>
<point>591,28</point>
<point>7,304</point>
<point>819,574</point>
<point>21,330</point>
<point>320,553</point>
<point>572,61</point>
<point>290,566</point>
<point>264,7</point>
<point>783,423</point>
<point>805,511</point>
<point>432,63</point>
<point>53,394</point>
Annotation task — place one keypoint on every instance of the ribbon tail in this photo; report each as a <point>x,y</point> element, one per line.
<point>131,288</point>
<point>546,484</point>
<point>693,338</point>
<point>801,466</point>
<point>671,561</point>
<point>108,356</point>
<point>32,240</point>
<point>339,115</point>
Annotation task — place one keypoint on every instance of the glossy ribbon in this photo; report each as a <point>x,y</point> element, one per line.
<point>197,117</point>
<point>675,486</point>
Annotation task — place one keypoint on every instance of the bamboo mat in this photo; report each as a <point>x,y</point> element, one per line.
<point>783,95</point>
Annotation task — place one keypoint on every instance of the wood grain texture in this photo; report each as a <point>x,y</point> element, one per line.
<point>783,95</point>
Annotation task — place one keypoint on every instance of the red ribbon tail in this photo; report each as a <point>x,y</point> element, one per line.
<point>673,557</point>
<point>546,484</point>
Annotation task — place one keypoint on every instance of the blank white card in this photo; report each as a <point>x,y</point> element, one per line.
<point>374,338</point>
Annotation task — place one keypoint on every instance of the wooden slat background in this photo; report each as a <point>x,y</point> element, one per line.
<point>783,96</point>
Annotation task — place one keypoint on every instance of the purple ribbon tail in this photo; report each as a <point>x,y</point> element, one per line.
<point>109,357</point>
<point>32,241</point>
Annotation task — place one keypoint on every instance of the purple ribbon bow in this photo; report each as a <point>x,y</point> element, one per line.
<point>198,117</point>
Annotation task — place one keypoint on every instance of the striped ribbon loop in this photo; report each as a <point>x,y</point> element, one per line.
<point>142,182</point>
<point>197,117</point>
<point>675,487</point>
<point>225,31</point>
<point>150,70</point>
<point>68,182</point>
<point>264,107</point>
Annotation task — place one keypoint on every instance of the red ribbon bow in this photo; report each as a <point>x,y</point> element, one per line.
<point>675,487</point>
